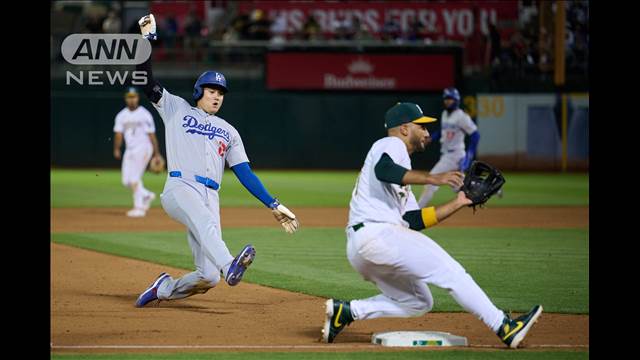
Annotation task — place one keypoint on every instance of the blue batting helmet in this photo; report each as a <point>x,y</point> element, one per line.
<point>213,78</point>
<point>452,93</point>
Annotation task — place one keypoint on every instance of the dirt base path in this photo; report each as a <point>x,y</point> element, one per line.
<point>114,219</point>
<point>92,297</point>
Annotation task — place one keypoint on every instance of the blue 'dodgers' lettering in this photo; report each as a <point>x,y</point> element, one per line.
<point>208,130</point>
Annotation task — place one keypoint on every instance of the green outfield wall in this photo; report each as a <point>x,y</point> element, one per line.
<point>280,129</point>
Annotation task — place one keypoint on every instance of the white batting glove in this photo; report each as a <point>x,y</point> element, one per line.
<point>286,218</point>
<point>148,27</point>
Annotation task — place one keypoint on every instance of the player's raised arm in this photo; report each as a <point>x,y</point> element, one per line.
<point>165,103</point>
<point>152,88</point>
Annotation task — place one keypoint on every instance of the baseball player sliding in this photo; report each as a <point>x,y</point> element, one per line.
<point>198,145</point>
<point>385,245</point>
<point>455,125</point>
<point>135,124</point>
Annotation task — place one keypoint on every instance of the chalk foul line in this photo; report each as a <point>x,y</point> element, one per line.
<point>333,346</point>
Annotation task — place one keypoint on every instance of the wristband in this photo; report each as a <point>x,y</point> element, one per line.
<point>429,216</point>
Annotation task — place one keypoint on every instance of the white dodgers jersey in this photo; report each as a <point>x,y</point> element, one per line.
<point>453,129</point>
<point>198,142</point>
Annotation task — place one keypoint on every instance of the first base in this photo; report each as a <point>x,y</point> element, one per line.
<point>418,338</point>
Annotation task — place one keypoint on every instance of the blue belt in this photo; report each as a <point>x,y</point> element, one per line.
<point>210,183</point>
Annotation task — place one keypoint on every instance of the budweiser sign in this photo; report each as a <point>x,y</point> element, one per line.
<point>360,76</point>
<point>316,71</point>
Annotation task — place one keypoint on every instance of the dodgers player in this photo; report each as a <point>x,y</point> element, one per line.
<point>385,245</point>
<point>199,143</point>
<point>135,124</point>
<point>455,124</point>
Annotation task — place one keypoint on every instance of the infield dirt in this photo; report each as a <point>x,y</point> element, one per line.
<point>113,219</point>
<point>92,294</point>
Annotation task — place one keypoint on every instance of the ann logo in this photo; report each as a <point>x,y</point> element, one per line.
<point>105,49</point>
<point>100,49</point>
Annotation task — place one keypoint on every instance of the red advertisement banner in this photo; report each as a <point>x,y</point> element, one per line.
<point>330,71</point>
<point>452,20</point>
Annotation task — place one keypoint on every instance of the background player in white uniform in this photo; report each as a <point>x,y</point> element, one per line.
<point>135,124</point>
<point>385,246</point>
<point>455,125</point>
<point>199,143</point>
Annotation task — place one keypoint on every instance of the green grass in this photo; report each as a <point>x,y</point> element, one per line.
<point>516,267</point>
<point>102,188</point>
<point>399,355</point>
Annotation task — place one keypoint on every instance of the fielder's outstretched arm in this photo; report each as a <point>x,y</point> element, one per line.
<point>388,171</point>
<point>428,217</point>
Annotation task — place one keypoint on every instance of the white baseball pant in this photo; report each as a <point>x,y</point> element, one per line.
<point>196,207</point>
<point>134,163</point>
<point>401,262</point>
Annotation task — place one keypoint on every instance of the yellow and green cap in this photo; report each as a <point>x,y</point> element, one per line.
<point>131,92</point>
<point>405,112</point>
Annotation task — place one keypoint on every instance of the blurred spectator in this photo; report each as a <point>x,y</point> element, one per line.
<point>169,30</point>
<point>527,13</point>
<point>580,50</point>
<point>390,30</point>
<point>259,26</point>
<point>343,29</point>
<point>192,27</point>
<point>112,24</point>
<point>94,23</point>
<point>494,45</point>
<point>234,32</point>
<point>279,29</point>
<point>240,27</point>
<point>416,31</point>
<point>311,30</point>
<point>518,51</point>
<point>545,56</point>
<point>361,33</point>
<point>577,13</point>
<point>192,34</point>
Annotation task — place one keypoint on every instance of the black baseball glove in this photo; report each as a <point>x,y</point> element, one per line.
<point>481,181</point>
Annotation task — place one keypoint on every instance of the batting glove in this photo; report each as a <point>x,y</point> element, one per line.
<point>148,27</point>
<point>286,218</point>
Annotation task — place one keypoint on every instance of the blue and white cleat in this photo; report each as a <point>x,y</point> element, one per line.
<point>151,293</point>
<point>240,264</point>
